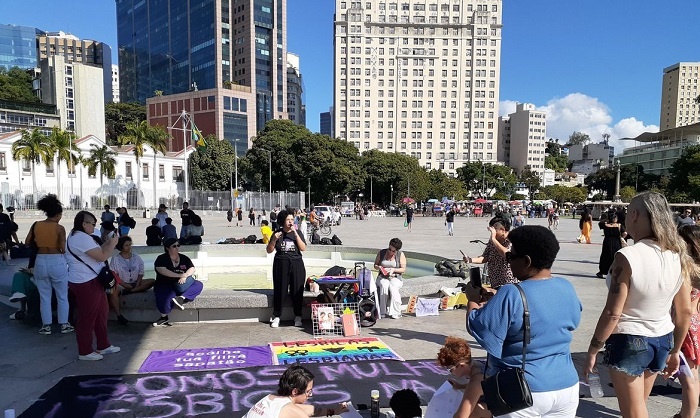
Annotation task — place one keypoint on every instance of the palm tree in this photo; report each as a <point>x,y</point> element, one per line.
<point>64,149</point>
<point>158,141</point>
<point>35,147</point>
<point>101,158</point>
<point>139,135</point>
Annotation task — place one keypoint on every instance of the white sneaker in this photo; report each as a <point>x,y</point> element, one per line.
<point>17,296</point>
<point>92,356</point>
<point>297,321</point>
<point>109,350</point>
<point>275,322</point>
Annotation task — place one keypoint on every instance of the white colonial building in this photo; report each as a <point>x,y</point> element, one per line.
<point>159,178</point>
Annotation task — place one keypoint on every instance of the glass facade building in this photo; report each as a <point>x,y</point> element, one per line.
<point>18,46</point>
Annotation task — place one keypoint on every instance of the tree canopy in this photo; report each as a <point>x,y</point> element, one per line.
<point>630,175</point>
<point>211,167</point>
<point>487,178</point>
<point>554,158</point>
<point>16,85</point>
<point>531,180</point>
<point>118,115</point>
<point>579,138</point>
<point>684,179</point>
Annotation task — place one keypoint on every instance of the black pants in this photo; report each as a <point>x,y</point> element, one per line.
<point>288,275</point>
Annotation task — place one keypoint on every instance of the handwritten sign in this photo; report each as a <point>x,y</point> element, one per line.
<point>427,307</point>
<point>206,359</point>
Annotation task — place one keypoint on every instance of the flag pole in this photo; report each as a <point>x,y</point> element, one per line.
<point>184,155</point>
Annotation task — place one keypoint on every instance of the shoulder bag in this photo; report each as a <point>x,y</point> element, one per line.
<point>507,391</point>
<point>105,276</point>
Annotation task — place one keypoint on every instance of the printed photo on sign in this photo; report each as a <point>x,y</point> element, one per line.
<point>326,319</point>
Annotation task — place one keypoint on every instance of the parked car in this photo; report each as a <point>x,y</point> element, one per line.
<point>323,211</point>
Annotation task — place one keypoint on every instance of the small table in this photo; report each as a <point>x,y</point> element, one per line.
<point>345,285</point>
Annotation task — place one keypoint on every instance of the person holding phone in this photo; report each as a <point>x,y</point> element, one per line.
<point>288,271</point>
<point>495,255</point>
<point>391,263</point>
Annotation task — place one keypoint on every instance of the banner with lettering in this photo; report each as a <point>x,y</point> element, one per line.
<point>206,359</point>
<point>340,350</point>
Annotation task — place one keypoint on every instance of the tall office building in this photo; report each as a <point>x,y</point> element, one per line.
<point>419,78</point>
<point>115,83</point>
<point>679,95</point>
<point>18,46</point>
<point>523,137</point>
<point>171,46</point>
<point>326,123</point>
<point>296,100</point>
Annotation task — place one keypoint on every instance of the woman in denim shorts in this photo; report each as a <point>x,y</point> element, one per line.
<point>635,327</point>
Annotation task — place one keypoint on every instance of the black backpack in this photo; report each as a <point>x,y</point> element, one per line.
<point>326,241</point>
<point>336,271</point>
<point>315,238</point>
<point>250,239</point>
<point>336,241</point>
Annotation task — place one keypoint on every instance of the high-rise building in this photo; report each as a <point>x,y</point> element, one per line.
<point>326,123</point>
<point>82,51</point>
<point>18,46</point>
<point>419,78</point>
<point>680,95</point>
<point>115,83</point>
<point>523,138</point>
<point>171,47</point>
<point>296,106</point>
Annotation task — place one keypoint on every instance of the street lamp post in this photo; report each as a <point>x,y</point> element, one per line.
<point>616,198</point>
<point>392,194</point>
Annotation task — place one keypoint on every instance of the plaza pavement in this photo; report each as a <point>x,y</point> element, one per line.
<point>31,363</point>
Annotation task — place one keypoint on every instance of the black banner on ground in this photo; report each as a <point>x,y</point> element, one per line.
<point>228,393</point>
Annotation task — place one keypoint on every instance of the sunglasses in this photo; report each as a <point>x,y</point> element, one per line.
<point>452,368</point>
<point>510,256</point>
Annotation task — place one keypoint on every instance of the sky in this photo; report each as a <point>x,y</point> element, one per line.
<point>594,66</point>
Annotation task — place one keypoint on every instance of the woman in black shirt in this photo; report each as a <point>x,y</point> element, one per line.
<point>175,285</point>
<point>288,269</point>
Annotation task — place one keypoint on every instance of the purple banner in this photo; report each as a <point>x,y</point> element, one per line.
<point>206,359</point>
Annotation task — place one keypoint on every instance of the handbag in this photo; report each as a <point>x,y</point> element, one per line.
<point>105,276</point>
<point>507,391</point>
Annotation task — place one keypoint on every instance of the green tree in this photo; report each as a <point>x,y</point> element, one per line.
<point>531,180</point>
<point>101,158</point>
<point>627,193</point>
<point>518,196</point>
<point>397,170</point>
<point>487,178</point>
<point>139,136</point>
<point>16,85</point>
<point>561,194</point>
<point>554,158</point>
<point>579,138</point>
<point>33,147</point>
<point>63,149</point>
<point>442,185</point>
<point>684,180</point>
<point>211,168</point>
<point>118,115</point>
<point>630,175</point>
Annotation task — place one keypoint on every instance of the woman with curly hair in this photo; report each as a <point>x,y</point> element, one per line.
<point>50,268</point>
<point>456,357</point>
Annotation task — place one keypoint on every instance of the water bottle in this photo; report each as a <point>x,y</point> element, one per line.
<point>374,404</point>
<point>594,385</point>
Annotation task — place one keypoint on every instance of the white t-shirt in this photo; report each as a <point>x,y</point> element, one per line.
<point>127,269</point>
<point>268,407</point>
<point>656,278</point>
<point>79,243</point>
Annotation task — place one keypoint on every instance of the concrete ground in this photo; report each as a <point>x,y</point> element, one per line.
<point>32,363</point>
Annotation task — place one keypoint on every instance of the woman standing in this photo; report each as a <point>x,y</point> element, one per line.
<point>391,263</point>
<point>555,312</point>
<point>174,285</point>
<point>288,271</point>
<point>251,216</point>
<point>85,260</point>
<point>611,244</point>
<point>50,268</point>
<point>585,224</point>
<point>646,280</point>
<point>130,269</point>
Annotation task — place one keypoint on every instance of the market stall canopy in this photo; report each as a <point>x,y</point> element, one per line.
<point>433,200</point>
<point>480,200</point>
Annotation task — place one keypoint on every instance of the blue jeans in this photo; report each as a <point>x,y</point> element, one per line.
<point>51,273</point>
<point>633,354</point>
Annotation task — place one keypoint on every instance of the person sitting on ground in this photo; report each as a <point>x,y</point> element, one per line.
<point>169,230</point>
<point>391,263</point>
<point>194,232</point>
<point>495,255</point>
<point>456,357</point>
<point>154,234</point>
<point>129,267</point>
<point>161,215</point>
<point>406,404</point>
<point>24,289</point>
<point>175,285</point>
<point>265,231</point>
<point>294,390</point>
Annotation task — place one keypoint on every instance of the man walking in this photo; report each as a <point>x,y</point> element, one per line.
<point>450,221</point>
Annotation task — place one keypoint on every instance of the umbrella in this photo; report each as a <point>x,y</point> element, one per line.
<point>407,200</point>
<point>568,203</point>
<point>480,200</point>
<point>432,200</point>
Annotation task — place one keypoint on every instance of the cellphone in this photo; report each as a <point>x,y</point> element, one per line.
<point>475,277</point>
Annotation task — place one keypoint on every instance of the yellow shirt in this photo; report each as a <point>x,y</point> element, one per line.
<point>266,232</point>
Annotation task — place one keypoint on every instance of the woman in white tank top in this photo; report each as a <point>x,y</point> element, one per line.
<point>644,282</point>
<point>294,390</point>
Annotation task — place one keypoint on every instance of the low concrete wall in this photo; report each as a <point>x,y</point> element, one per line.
<point>252,304</point>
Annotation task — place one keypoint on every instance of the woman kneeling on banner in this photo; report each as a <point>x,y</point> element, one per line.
<point>555,312</point>
<point>294,390</point>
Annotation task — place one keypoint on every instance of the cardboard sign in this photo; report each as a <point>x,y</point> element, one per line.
<point>427,307</point>
<point>350,325</point>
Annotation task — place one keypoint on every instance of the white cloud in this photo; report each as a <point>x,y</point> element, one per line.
<point>582,113</point>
